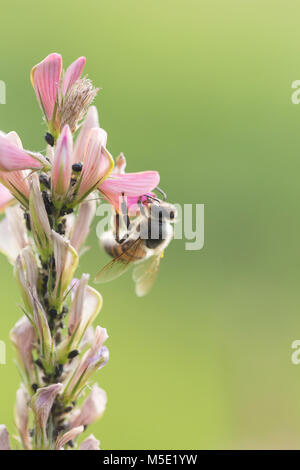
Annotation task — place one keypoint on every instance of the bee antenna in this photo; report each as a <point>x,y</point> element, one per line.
<point>164,195</point>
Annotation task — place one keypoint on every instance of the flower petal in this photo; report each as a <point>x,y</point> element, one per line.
<point>13,158</point>
<point>45,78</point>
<point>90,443</point>
<point>97,163</point>
<point>133,185</point>
<point>62,167</point>
<point>68,436</point>
<point>4,438</point>
<point>73,72</point>
<point>92,409</point>
<point>90,121</point>
<point>6,198</point>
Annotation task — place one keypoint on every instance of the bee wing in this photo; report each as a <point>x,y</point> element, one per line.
<point>145,273</point>
<point>119,265</point>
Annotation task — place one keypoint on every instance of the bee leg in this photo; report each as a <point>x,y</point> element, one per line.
<point>124,210</point>
<point>142,208</point>
<point>125,219</point>
<point>117,227</point>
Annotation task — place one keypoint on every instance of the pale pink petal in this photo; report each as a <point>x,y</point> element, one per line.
<point>17,183</point>
<point>83,222</point>
<point>90,443</point>
<point>13,158</point>
<point>133,185</point>
<point>62,167</point>
<point>73,72</point>
<point>97,163</point>
<point>45,78</point>
<point>6,198</point>
<point>15,139</point>
<point>90,121</point>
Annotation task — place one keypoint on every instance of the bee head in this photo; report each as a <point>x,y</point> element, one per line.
<point>163,211</point>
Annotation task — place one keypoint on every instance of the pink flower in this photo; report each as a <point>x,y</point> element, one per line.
<point>63,99</point>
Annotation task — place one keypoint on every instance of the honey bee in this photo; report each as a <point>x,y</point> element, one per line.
<point>143,246</point>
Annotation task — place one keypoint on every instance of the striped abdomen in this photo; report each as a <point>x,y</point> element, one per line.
<point>130,250</point>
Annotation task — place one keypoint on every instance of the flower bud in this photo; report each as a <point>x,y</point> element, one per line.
<point>90,443</point>
<point>120,164</point>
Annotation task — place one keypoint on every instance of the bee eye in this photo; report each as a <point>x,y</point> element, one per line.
<point>172,215</point>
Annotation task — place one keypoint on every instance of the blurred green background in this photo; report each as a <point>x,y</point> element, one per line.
<point>201,91</point>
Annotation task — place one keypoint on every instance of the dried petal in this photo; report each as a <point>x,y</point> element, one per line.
<point>22,336</point>
<point>4,438</point>
<point>22,415</point>
<point>41,405</point>
<point>92,409</point>
<point>68,436</point>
